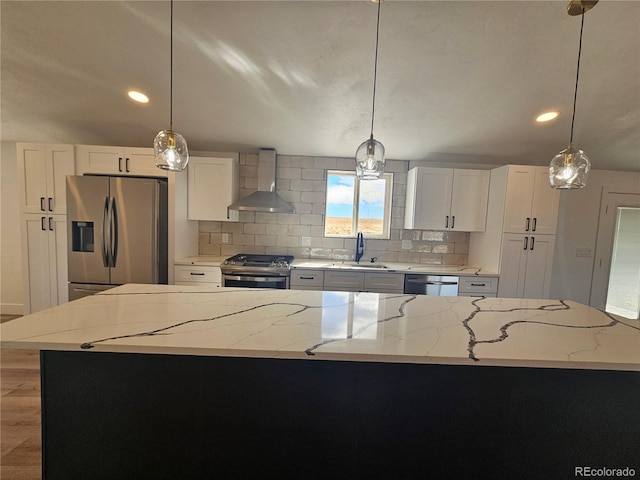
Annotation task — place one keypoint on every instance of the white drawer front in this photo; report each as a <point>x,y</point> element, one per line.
<point>302,279</point>
<point>478,285</point>
<point>383,282</point>
<point>197,274</point>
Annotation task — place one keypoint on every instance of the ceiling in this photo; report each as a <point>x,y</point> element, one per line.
<point>458,81</point>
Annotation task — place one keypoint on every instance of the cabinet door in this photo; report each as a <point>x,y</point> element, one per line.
<point>35,240</point>
<point>99,159</point>
<point>142,161</point>
<point>344,281</point>
<point>213,186</point>
<point>544,205</point>
<point>513,264</point>
<point>539,263</point>
<point>384,282</point>
<point>60,162</point>
<point>32,177</point>
<point>520,180</point>
<point>469,197</point>
<point>58,274</point>
<point>429,207</point>
<point>307,279</point>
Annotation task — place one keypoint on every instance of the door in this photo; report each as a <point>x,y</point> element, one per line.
<point>135,220</point>
<point>87,205</point>
<point>610,207</point>
<point>538,267</point>
<point>469,200</point>
<point>513,265</point>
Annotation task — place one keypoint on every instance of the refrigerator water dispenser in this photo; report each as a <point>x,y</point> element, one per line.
<point>82,236</point>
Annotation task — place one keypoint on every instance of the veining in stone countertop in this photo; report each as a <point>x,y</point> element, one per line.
<point>315,325</point>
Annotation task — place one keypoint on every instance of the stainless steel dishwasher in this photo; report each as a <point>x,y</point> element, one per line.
<point>442,285</point>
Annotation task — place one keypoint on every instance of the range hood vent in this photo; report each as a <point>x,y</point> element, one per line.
<point>265,199</point>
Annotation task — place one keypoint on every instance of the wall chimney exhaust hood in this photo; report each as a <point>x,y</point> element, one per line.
<point>265,199</point>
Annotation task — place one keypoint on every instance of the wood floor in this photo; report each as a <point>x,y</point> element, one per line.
<point>20,438</point>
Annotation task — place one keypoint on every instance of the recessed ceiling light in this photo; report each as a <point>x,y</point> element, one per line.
<point>138,96</point>
<point>547,116</point>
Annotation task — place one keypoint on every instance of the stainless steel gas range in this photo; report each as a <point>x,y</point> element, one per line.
<point>257,271</point>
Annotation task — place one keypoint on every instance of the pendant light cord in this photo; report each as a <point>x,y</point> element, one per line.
<point>171,73</point>
<point>375,70</point>
<point>575,93</point>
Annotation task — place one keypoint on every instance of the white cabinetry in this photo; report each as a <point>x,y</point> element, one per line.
<point>109,160</point>
<point>44,261</point>
<point>446,199</point>
<point>307,279</point>
<point>531,205</point>
<point>198,275</point>
<point>526,261</point>
<point>42,170</point>
<point>350,281</point>
<point>519,238</point>
<point>213,186</point>
<point>478,287</point>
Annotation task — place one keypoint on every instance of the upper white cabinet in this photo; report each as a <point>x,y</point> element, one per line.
<point>42,171</point>
<point>446,199</point>
<point>110,160</point>
<point>213,186</point>
<point>531,205</point>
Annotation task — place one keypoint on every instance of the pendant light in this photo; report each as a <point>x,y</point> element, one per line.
<point>370,154</point>
<point>569,168</point>
<point>169,147</point>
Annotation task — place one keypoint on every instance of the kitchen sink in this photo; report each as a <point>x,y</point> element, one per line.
<point>363,265</point>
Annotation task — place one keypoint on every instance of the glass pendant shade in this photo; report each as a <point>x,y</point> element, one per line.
<point>171,152</point>
<point>370,160</point>
<point>569,169</point>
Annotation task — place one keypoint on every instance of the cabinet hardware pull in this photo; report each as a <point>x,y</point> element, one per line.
<point>453,221</point>
<point>478,284</point>
<point>126,165</point>
<point>227,213</point>
<point>197,273</point>
<point>532,241</point>
<point>119,164</point>
<point>42,225</point>
<point>50,206</point>
<point>42,204</point>
<point>446,223</point>
<point>535,221</point>
<point>51,223</point>
<point>307,278</point>
<point>526,242</point>
<point>526,229</point>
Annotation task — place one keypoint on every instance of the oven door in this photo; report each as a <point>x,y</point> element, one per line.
<point>254,281</point>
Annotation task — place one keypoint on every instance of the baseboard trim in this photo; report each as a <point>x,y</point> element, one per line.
<point>11,308</point>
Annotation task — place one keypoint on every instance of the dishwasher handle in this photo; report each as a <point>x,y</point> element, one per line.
<point>429,282</point>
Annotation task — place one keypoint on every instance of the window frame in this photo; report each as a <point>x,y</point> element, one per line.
<point>388,196</point>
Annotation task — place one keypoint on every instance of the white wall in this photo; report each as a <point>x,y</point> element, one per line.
<point>11,298</point>
<point>578,229</point>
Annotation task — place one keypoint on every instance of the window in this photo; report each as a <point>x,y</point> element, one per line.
<point>354,206</point>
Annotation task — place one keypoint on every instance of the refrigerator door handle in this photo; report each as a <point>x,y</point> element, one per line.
<point>105,231</point>
<point>113,232</point>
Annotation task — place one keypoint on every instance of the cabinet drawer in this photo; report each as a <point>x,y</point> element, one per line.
<point>197,274</point>
<point>302,279</point>
<point>478,285</point>
<point>384,282</point>
<point>344,281</point>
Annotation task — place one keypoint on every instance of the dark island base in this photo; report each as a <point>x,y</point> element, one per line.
<point>126,416</point>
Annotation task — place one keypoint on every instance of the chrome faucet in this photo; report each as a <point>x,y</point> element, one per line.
<point>359,247</point>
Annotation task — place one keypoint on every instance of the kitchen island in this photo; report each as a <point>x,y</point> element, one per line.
<point>157,381</point>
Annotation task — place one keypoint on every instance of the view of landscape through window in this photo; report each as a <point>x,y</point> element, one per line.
<point>356,206</point>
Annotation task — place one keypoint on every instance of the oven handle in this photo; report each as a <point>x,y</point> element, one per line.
<point>255,279</point>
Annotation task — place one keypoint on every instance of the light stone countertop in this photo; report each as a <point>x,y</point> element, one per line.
<point>314,325</point>
<point>203,260</point>
<point>390,267</point>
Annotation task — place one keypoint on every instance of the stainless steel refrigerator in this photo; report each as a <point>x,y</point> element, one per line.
<point>117,232</point>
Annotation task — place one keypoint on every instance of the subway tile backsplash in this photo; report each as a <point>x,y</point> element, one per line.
<point>302,182</point>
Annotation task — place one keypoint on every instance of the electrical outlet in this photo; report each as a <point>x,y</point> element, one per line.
<point>225,238</point>
<point>406,245</point>
<point>306,241</point>
<point>584,252</point>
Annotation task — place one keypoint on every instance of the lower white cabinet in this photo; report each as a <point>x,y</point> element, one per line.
<point>478,287</point>
<point>44,239</point>
<point>347,281</point>
<point>198,275</point>
<point>306,279</point>
<point>525,265</point>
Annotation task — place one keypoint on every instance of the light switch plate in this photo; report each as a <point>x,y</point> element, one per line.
<point>225,238</point>
<point>406,244</point>
<point>306,241</point>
